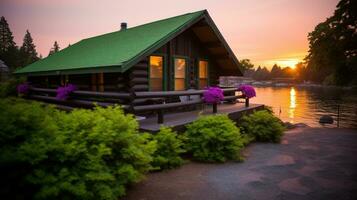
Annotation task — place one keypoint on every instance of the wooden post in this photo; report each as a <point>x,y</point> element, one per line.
<point>214,107</point>
<point>338,116</point>
<point>160,117</point>
<point>246,102</point>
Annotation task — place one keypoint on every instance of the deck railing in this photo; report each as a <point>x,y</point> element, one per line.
<point>136,103</point>
<point>162,96</point>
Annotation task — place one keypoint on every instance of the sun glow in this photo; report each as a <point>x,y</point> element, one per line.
<point>292,104</point>
<point>288,62</point>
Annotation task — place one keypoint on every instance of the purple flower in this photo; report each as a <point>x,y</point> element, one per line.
<point>64,92</point>
<point>23,88</point>
<point>213,95</point>
<point>247,91</point>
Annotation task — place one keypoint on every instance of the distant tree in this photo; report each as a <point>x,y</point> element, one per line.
<point>54,49</point>
<point>246,64</point>
<point>8,49</point>
<point>28,51</point>
<point>276,71</point>
<point>287,72</point>
<point>262,73</point>
<point>301,73</point>
<point>332,47</point>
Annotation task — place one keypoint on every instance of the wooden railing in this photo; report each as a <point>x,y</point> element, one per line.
<point>136,103</point>
<point>84,99</point>
<point>163,105</point>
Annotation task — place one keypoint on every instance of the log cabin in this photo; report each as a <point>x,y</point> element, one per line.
<point>142,68</point>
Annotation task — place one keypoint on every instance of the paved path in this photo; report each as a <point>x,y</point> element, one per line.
<point>310,163</point>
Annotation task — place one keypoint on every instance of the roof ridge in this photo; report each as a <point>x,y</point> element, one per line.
<point>190,13</point>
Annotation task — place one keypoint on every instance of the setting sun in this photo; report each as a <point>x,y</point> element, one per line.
<point>288,62</point>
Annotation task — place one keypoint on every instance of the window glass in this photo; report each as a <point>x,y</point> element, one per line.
<point>156,73</point>
<point>180,74</point>
<point>203,74</point>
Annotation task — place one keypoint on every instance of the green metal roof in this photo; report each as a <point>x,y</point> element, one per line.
<point>114,51</point>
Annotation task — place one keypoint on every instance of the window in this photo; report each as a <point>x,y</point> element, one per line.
<point>180,74</point>
<point>202,74</point>
<point>156,73</point>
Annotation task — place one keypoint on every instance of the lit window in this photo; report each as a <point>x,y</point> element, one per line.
<point>180,74</point>
<point>156,73</point>
<point>203,74</point>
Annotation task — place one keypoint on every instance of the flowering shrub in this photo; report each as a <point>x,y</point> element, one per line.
<point>64,92</point>
<point>23,88</point>
<point>213,95</point>
<point>247,90</point>
<point>213,138</point>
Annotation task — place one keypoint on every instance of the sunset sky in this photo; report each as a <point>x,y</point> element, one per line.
<point>265,31</point>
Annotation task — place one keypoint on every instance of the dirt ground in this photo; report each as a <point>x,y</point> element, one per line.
<point>310,163</point>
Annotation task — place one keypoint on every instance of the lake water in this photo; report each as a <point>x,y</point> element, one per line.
<point>307,105</point>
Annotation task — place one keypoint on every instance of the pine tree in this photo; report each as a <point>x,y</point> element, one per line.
<point>54,49</point>
<point>8,48</point>
<point>28,51</point>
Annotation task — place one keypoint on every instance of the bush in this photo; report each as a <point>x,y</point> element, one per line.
<point>263,126</point>
<point>213,138</point>
<point>26,142</point>
<point>9,88</point>
<point>85,154</point>
<point>169,148</point>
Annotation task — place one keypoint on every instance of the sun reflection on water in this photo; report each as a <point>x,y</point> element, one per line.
<point>292,104</point>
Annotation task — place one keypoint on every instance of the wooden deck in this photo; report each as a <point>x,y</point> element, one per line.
<point>178,121</point>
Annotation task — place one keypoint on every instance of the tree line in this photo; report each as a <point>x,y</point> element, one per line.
<point>262,73</point>
<point>14,56</point>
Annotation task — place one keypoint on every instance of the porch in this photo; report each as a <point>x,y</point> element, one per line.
<point>178,121</point>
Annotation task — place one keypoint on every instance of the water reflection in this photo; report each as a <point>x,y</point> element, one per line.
<point>292,104</point>
<point>307,105</point>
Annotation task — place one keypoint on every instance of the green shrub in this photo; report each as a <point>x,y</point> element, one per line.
<point>8,88</point>
<point>169,148</point>
<point>85,154</point>
<point>213,138</point>
<point>263,126</point>
<point>26,141</point>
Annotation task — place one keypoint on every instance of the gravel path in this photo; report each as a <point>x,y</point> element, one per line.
<point>310,163</point>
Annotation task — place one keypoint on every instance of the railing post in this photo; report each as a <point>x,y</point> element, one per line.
<point>214,106</point>
<point>160,117</point>
<point>246,102</point>
<point>338,116</point>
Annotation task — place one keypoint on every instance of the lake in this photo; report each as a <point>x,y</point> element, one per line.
<point>307,105</point>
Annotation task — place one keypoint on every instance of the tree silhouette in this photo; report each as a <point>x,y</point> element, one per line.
<point>8,48</point>
<point>28,51</point>
<point>332,54</point>
<point>54,49</point>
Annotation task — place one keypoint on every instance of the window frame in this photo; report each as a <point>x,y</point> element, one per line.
<point>164,72</point>
<point>186,79</point>
<point>198,72</point>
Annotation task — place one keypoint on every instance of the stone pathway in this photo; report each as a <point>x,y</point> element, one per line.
<point>310,163</point>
